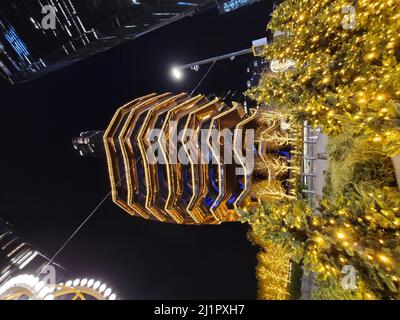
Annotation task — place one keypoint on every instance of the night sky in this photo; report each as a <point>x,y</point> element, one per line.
<point>47,189</point>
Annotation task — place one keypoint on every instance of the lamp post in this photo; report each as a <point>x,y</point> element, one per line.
<point>256,49</point>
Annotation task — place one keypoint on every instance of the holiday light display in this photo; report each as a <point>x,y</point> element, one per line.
<point>29,287</point>
<point>342,74</point>
<point>273,273</point>
<point>347,81</point>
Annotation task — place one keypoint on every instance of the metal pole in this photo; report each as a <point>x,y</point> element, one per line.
<point>218,58</point>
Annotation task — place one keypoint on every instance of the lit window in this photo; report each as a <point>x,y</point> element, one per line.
<point>188,4</point>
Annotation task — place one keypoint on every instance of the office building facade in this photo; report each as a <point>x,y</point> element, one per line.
<point>41,36</point>
<point>17,256</point>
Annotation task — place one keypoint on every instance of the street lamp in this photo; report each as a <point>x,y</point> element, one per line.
<point>256,49</point>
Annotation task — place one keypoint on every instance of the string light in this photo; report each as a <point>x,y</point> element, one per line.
<point>273,273</point>
<point>341,235</point>
<point>384,258</point>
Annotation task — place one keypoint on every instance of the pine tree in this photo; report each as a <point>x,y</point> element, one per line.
<point>346,79</point>
<point>346,55</point>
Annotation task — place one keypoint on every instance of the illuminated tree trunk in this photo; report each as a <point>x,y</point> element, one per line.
<point>277,139</point>
<point>273,189</point>
<point>273,273</point>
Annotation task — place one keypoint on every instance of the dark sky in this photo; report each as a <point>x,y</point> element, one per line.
<point>47,189</point>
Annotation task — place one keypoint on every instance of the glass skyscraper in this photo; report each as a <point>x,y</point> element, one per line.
<point>17,256</point>
<point>31,47</point>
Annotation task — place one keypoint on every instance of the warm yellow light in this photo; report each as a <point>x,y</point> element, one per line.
<point>319,239</point>
<point>384,258</point>
<point>341,235</point>
<point>380,97</point>
<point>371,56</point>
<point>362,100</point>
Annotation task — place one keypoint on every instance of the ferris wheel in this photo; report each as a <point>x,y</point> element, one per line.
<point>29,287</point>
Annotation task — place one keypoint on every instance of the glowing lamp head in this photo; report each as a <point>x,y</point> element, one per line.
<point>176,73</point>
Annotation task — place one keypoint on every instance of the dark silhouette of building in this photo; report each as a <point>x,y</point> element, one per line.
<point>226,6</point>
<point>30,47</point>
<point>18,256</point>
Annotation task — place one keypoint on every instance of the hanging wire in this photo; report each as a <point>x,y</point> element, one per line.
<point>67,241</point>
<point>227,94</point>
<point>202,79</point>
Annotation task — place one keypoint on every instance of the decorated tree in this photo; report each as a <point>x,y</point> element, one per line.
<point>346,56</point>
<point>275,165</point>
<point>326,243</point>
<point>345,79</point>
<point>273,273</point>
<point>270,189</point>
<point>278,139</point>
